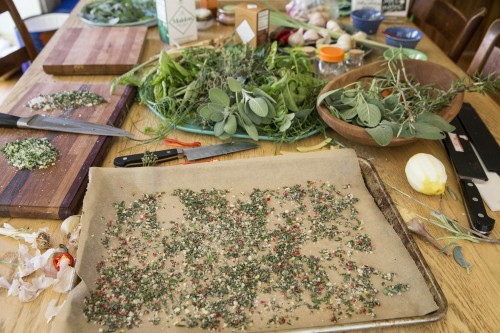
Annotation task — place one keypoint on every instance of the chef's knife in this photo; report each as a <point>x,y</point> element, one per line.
<point>484,142</point>
<point>464,161</point>
<point>191,154</point>
<point>47,123</point>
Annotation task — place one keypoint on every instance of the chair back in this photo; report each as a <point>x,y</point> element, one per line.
<point>487,57</point>
<point>25,53</point>
<point>446,25</point>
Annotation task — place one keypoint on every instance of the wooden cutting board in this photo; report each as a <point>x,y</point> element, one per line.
<point>57,192</point>
<point>96,51</point>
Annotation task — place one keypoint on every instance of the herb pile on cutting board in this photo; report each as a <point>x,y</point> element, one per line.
<point>260,92</point>
<point>119,11</point>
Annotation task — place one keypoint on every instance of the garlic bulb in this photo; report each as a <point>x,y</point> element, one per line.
<point>311,35</point>
<point>426,174</point>
<point>360,35</point>
<point>297,38</point>
<point>69,225</point>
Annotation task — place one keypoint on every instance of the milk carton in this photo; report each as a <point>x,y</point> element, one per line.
<point>177,21</point>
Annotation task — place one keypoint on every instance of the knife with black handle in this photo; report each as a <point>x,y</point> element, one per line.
<point>467,168</point>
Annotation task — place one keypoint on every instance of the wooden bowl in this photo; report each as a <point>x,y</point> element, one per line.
<point>424,72</point>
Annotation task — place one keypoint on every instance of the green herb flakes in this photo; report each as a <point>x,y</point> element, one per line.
<point>232,260</point>
<point>31,153</point>
<point>65,100</point>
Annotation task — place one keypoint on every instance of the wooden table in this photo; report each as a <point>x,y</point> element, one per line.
<point>473,298</point>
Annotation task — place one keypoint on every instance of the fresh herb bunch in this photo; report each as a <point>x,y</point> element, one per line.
<point>262,91</point>
<point>393,104</point>
<point>119,11</point>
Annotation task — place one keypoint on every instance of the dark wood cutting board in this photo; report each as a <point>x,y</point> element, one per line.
<point>56,192</point>
<point>96,51</point>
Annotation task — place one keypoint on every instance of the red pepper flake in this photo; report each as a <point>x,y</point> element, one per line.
<point>177,143</point>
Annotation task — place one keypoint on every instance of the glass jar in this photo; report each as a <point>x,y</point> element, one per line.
<point>355,59</point>
<point>226,15</point>
<point>331,62</point>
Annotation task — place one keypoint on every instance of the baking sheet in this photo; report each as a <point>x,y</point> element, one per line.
<point>395,251</point>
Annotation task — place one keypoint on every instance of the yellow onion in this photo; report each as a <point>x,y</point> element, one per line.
<point>426,174</point>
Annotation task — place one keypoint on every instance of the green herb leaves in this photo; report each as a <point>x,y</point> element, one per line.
<point>30,153</point>
<point>113,12</point>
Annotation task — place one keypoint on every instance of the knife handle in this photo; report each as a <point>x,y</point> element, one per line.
<point>7,120</point>
<point>136,159</point>
<point>478,218</point>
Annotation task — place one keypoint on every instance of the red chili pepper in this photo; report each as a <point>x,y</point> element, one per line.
<point>56,261</point>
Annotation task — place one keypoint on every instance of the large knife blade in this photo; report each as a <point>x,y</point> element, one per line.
<point>467,167</point>
<point>191,154</point>
<point>47,123</point>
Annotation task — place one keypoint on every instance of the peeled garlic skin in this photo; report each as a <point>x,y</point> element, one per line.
<point>426,174</point>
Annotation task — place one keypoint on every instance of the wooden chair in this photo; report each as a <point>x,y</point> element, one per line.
<point>487,57</point>
<point>28,52</point>
<point>446,25</point>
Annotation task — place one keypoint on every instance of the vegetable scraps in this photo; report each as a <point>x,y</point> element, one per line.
<point>260,92</point>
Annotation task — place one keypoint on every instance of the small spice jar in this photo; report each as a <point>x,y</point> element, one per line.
<point>331,62</point>
<point>355,59</point>
<point>226,14</point>
<point>204,19</point>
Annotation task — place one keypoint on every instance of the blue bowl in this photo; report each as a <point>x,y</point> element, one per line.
<point>367,20</point>
<point>403,37</point>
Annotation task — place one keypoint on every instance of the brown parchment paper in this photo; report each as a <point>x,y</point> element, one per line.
<point>339,167</point>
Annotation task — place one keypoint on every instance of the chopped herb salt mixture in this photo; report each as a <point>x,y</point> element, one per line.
<point>65,100</point>
<point>30,153</point>
<point>237,260</point>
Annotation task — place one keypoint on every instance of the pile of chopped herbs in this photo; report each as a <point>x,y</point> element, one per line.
<point>66,100</point>
<point>30,153</point>
<point>236,88</point>
<point>119,11</point>
<point>236,260</point>
<point>393,104</point>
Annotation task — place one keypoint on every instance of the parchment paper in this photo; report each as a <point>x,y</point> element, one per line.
<point>339,167</point>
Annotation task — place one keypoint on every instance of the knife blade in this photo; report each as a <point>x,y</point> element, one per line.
<point>191,154</point>
<point>464,162</point>
<point>42,122</point>
<point>487,147</point>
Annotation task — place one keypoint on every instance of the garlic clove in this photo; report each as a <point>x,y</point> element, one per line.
<point>297,38</point>
<point>332,25</point>
<point>311,35</point>
<point>317,19</point>
<point>69,225</point>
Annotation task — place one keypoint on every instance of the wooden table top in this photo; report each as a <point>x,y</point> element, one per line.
<point>473,304</point>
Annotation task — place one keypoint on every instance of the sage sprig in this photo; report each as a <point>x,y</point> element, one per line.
<point>393,104</point>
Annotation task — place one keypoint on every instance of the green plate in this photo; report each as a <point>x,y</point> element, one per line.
<point>240,135</point>
<point>149,22</point>
<point>407,54</point>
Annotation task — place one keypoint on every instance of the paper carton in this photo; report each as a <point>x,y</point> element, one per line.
<point>252,24</point>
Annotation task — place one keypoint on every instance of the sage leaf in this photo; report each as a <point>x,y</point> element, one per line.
<point>258,106</point>
<point>382,134</point>
<point>459,258</point>
<point>435,120</point>
<point>219,128</point>
<point>253,117</point>
<point>219,96</point>
<point>205,112</point>
<point>234,85</point>
<point>348,114</point>
<point>252,131</point>
<point>369,114</point>
<point>287,122</point>
<point>427,131</point>
<point>391,102</point>
<point>289,101</point>
<point>230,126</point>
<point>262,93</point>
